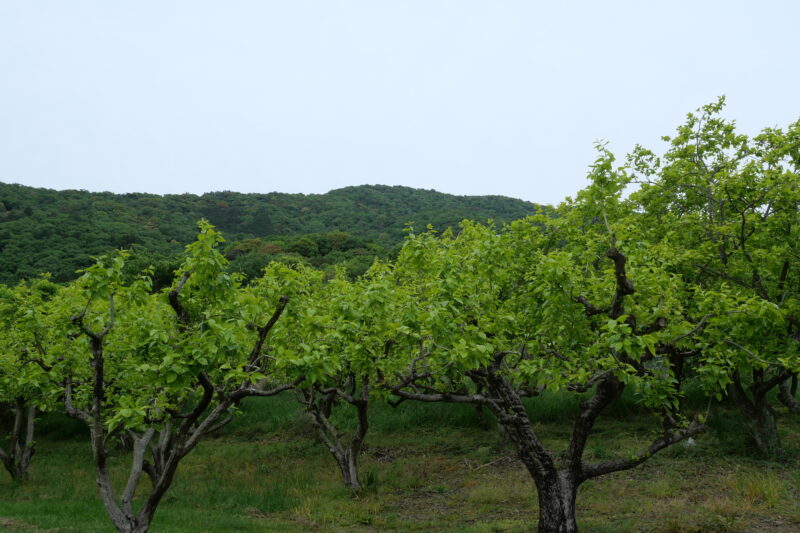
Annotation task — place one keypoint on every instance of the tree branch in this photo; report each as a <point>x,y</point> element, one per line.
<point>70,407</point>
<point>607,390</point>
<point>244,392</point>
<point>594,470</point>
<point>265,329</point>
<point>624,285</point>
<point>180,311</point>
<point>589,307</point>
<point>137,465</point>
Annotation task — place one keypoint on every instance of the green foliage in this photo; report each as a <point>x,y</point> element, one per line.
<point>28,331</point>
<point>60,232</point>
<point>153,356</point>
<point>727,207</point>
<point>326,251</point>
<point>518,291</point>
<point>694,275</point>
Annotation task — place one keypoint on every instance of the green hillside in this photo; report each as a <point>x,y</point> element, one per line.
<point>43,230</point>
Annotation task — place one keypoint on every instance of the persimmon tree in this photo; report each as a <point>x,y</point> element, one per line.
<point>162,370</point>
<point>336,339</point>
<point>576,303</point>
<point>26,386</point>
<point>729,207</point>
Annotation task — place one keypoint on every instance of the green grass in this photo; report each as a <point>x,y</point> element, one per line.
<point>428,468</point>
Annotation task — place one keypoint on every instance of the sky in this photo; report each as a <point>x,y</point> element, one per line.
<point>466,97</point>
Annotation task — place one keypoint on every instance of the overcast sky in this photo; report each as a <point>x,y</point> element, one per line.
<point>465,97</point>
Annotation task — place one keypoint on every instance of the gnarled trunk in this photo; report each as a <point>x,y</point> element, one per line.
<point>20,446</point>
<point>557,487</point>
<point>758,411</point>
<point>766,428</point>
<point>557,495</point>
<point>320,405</point>
<point>349,467</point>
<point>137,524</point>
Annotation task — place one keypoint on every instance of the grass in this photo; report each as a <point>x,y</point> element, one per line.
<point>428,468</point>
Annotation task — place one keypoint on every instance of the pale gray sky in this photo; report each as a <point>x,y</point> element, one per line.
<point>466,97</point>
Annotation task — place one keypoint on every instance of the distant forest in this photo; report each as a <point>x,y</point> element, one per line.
<point>43,230</point>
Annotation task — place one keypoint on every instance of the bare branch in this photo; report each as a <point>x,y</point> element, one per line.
<point>202,405</point>
<point>583,387</point>
<point>139,448</point>
<point>180,311</point>
<point>607,391</point>
<point>624,285</point>
<point>699,327</point>
<point>594,470</point>
<point>70,407</point>
<point>748,352</point>
<point>252,390</point>
<point>589,307</point>
<point>265,329</point>
<point>441,397</point>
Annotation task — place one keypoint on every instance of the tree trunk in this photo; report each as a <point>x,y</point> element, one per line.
<point>137,524</point>
<point>766,428</point>
<point>557,488</point>
<point>760,414</point>
<point>320,407</point>
<point>18,458</point>
<point>557,495</point>
<point>349,468</point>
<point>788,394</point>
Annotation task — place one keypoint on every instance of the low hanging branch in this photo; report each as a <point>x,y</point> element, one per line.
<point>264,331</point>
<point>624,285</point>
<point>599,469</point>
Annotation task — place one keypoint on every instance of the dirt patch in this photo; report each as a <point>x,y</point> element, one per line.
<point>771,525</point>
<point>9,524</point>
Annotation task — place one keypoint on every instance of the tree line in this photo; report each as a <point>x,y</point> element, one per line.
<point>691,278</point>
<point>60,232</point>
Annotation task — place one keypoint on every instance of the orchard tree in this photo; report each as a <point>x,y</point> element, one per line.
<point>576,303</point>
<point>26,386</point>
<point>336,340</point>
<point>729,206</point>
<point>162,371</point>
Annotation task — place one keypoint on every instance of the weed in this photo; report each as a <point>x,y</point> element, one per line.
<point>420,474</point>
<point>760,488</point>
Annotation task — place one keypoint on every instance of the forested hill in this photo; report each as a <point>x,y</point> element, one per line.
<point>43,230</point>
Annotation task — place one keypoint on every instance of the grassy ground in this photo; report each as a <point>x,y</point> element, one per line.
<point>428,468</point>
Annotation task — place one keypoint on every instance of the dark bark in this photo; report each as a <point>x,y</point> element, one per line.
<point>17,458</point>
<point>758,411</point>
<point>766,429</point>
<point>556,487</point>
<point>557,478</point>
<point>319,403</point>
<point>556,496</point>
